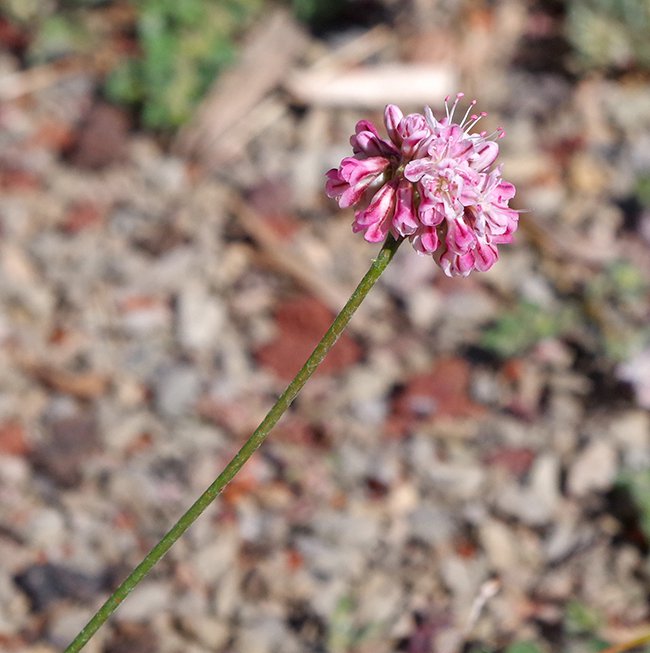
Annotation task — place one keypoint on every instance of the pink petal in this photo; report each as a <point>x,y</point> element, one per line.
<point>412,142</point>
<point>426,240</point>
<point>462,149</point>
<point>484,155</point>
<point>366,142</point>
<point>375,220</point>
<point>505,191</point>
<point>454,265</point>
<point>366,126</point>
<point>446,261</point>
<point>500,219</point>
<point>431,119</point>
<point>465,263</point>
<point>460,237</point>
<point>431,216</point>
<point>354,170</point>
<point>508,235</point>
<point>485,256</point>
<point>334,186</point>
<point>353,194</point>
<point>392,117</point>
<point>405,221</point>
<point>416,169</point>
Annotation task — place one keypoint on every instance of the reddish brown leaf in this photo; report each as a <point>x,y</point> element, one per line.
<point>12,439</point>
<point>102,139</point>
<point>516,460</point>
<point>442,392</point>
<point>302,321</point>
<point>81,216</point>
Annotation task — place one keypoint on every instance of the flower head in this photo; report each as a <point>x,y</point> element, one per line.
<point>431,181</point>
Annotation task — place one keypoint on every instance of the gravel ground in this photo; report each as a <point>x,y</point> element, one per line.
<point>468,470</point>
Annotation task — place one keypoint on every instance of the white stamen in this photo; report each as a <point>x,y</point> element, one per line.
<point>497,134</point>
<point>450,114</point>
<point>474,120</point>
<point>430,118</point>
<point>469,108</point>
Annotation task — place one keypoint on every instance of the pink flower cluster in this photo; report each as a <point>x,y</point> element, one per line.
<point>431,181</point>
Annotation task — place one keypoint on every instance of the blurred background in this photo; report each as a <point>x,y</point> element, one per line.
<point>469,471</point>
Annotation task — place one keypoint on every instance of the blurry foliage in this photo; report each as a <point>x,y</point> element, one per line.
<point>637,484</point>
<point>343,633</point>
<point>21,10</point>
<point>583,622</point>
<point>58,35</point>
<point>183,47</point>
<point>53,29</point>
<point>610,34</point>
<point>324,15</point>
<point>613,300</point>
<point>524,326</point>
<point>609,314</point>
<point>643,191</point>
<point>516,647</point>
<point>319,14</point>
<point>579,619</point>
<point>179,46</point>
<point>523,647</point>
<point>37,12</point>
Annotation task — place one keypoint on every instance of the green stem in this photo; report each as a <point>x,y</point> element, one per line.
<point>248,449</point>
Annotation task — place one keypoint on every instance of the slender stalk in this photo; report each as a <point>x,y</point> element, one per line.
<point>248,449</point>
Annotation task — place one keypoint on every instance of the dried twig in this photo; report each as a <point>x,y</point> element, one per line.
<point>626,646</point>
<point>24,82</point>
<point>373,86</point>
<point>488,590</point>
<point>289,263</point>
<point>265,58</point>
